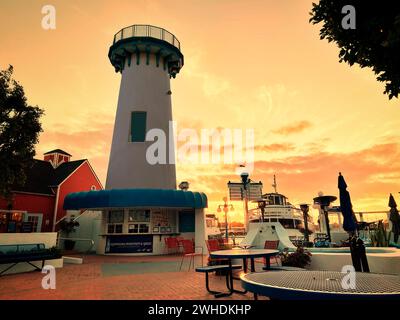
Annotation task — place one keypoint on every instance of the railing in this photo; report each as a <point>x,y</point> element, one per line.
<point>140,30</point>
<point>77,239</point>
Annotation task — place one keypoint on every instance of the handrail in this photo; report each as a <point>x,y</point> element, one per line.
<point>77,239</point>
<point>144,30</point>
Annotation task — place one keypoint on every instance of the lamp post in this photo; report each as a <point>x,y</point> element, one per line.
<point>245,181</point>
<point>324,202</point>
<point>305,208</point>
<point>225,208</point>
<point>261,205</point>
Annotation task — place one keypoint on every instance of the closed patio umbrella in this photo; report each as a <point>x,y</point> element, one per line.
<point>357,248</point>
<point>394,218</point>
<point>349,223</point>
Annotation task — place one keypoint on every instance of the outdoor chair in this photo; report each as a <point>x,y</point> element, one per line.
<point>273,245</point>
<point>172,245</point>
<point>215,245</point>
<point>224,244</point>
<point>180,239</point>
<point>189,251</point>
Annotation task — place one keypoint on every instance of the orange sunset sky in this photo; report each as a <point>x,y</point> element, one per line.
<point>248,64</point>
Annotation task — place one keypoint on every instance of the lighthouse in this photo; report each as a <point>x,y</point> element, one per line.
<point>141,207</point>
<point>147,58</point>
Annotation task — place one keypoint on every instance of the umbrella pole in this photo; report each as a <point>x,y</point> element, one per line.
<point>328,229</point>
<point>355,257</point>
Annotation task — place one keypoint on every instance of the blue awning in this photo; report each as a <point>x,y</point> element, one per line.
<point>126,198</point>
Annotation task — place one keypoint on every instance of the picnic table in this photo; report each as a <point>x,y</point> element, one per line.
<point>296,285</point>
<point>241,254</point>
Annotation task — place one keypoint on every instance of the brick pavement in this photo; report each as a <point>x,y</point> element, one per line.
<point>88,281</point>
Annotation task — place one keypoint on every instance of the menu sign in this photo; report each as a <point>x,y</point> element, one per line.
<point>163,221</point>
<point>129,244</point>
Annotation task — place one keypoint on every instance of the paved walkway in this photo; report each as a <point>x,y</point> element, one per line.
<point>117,278</point>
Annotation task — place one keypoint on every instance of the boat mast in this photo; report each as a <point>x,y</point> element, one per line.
<point>274,185</point>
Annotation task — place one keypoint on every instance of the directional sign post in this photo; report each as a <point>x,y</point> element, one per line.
<point>245,191</point>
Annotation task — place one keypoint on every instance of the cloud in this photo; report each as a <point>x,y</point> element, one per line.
<point>275,147</point>
<point>212,84</point>
<point>91,143</point>
<point>275,97</point>
<point>293,128</point>
<point>371,174</point>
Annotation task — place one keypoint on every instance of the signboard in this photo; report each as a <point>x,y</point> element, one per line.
<point>237,192</point>
<point>164,220</point>
<point>129,244</point>
<point>160,218</point>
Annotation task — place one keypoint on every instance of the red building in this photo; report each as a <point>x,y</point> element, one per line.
<point>40,200</point>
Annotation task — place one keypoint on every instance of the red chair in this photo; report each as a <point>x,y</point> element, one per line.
<point>215,245</point>
<point>180,239</point>
<point>189,250</point>
<point>222,242</point>
<point>172,245</point>
<point>212,245</point>
<point>273,245</point>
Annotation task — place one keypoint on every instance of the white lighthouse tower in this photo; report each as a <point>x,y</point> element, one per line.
<point>147,58</point>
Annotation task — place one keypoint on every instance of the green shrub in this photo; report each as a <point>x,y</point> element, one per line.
<point>300,258</point>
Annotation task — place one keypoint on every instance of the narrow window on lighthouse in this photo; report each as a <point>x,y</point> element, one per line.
<point>138,126</point>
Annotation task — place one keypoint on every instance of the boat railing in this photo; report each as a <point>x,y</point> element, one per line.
<point>281,215</point>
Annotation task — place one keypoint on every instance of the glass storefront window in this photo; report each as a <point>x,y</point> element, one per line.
<point>143,228</point>
<point>139,215</point>
<point>139,228</point>
<point>11,222</point>
<point>116,216</point>
<point>114,228</point>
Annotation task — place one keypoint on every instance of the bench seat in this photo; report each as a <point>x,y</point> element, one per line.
<point>19,253</point>
<point>283,268</point>
<point>221,267</point>
<point>217,268</point>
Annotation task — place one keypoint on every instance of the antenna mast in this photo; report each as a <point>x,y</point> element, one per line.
<point>274,185</point>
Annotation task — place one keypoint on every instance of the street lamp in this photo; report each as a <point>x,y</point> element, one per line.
<point>305,208</point>
<point>184,186</point>
<point>226,208</point>
<point>324,202</point>
<point>245,181</point>
<point>244,176</point>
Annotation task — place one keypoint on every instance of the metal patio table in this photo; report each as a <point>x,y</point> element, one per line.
<point>242,254</point>
<point>298,285</point>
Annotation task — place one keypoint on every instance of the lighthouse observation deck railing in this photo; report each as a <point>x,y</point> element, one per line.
<point>138,30</point>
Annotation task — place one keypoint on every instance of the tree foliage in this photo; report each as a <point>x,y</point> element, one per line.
<point>19,132</point>
<point>374,43</point>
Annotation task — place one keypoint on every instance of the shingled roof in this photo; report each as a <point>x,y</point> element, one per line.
<point>58,151</point>
<point>42,176</point>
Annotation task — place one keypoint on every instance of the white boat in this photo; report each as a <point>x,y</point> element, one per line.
<point>279,210</point>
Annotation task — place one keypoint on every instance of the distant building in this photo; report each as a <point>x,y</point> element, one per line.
<point>39,203</point>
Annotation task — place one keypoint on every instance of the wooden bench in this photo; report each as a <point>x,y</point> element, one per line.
<point>222,267</point>
<point>26,253</point>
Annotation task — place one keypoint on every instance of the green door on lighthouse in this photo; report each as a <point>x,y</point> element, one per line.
<point>138,126</point>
